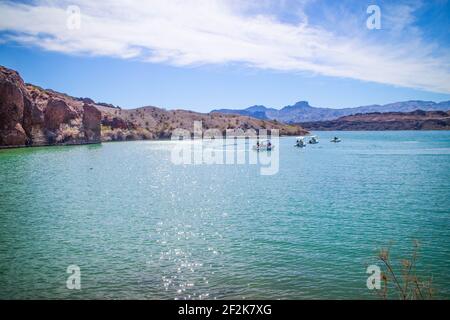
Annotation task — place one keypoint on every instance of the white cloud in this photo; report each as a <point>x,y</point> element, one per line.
<point>399,17</point>
<point>190,32</point>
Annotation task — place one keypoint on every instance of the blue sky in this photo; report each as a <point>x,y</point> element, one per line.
<point>202,55</point>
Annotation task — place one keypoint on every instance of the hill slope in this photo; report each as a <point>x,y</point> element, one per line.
<point>416,120</point>
<point>157,123</point>
<point>32,116</point>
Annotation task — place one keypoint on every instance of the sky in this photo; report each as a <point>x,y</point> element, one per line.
<point>208,54</point>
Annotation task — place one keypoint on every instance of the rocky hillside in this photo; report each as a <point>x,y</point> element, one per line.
<point>157,123</point>
<point>303,112</point>
<point>416,120</point>
<point>32,116</point>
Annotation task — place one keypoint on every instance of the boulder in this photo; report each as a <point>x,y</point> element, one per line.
<point>58,112</point>
<point>91,123</point>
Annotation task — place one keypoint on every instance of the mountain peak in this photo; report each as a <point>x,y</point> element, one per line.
<point>298,105</point>
<point>256,108</point>
<point>302,104</point>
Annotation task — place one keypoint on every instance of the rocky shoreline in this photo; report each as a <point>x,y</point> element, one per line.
<point>32,116</point>
<point>376,121</point>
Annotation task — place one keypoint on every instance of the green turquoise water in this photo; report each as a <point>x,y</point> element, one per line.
<point>141,227</point>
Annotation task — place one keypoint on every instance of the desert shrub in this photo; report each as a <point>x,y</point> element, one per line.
<point>66,133</point>
<point>104,128</point>
<point>403,282</point>
<point>144,134</point>
<point>114,135</point>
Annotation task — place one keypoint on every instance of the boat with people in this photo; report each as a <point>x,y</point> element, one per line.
<point>313,140</point>
<point>268,146</point>
<point>300,142</point>
<point>335,140</point>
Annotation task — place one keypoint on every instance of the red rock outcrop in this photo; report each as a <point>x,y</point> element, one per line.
<point>31,116</point>
<point>92,117</point>
<point>58,112</point>
<point>13,101</point>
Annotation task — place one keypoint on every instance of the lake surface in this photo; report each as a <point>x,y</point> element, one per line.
<point>140,227</point>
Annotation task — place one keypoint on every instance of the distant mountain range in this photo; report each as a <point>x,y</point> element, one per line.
<point>303,112</point>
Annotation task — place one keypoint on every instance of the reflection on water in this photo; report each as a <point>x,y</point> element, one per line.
<point>140,227</point>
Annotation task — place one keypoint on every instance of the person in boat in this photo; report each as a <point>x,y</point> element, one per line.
<point>336,139</point>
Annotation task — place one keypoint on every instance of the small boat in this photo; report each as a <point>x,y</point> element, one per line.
<point>335,140</point>
<point>313,140</point>
<point>300,142</point>
<point>264,147</point>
